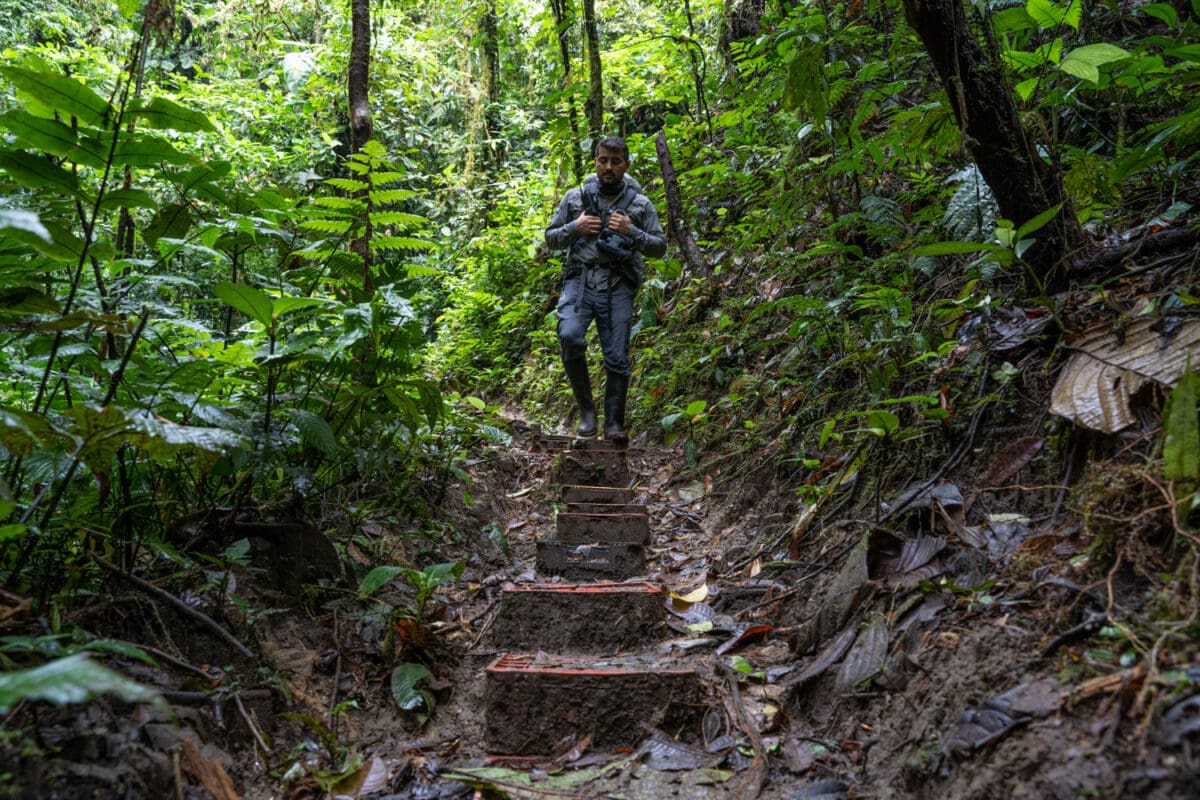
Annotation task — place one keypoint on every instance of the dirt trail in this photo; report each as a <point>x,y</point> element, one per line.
<point>724,647</point>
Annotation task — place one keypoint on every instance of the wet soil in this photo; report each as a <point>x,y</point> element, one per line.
<point>970,646</point>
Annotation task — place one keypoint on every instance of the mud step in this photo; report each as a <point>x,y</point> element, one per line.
<point>551,442</point>
<point>604,528</point>
<point>612,561</point>
<point>579,618</point>
<point>593,467</point>
<point>607,508</point>
<point>533,702</point>
<point>597,494</point>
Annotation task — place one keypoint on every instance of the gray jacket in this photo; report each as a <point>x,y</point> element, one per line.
<point>645,231</point>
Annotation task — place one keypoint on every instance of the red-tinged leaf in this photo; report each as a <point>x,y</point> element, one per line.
<point>1011,459</point>
<point>746,636</point>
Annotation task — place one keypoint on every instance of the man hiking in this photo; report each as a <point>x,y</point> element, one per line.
<point>606,226</point>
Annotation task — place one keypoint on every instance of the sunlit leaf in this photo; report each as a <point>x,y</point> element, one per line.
<point>166,114</point>
<point>1085,62</point>
<point>49,135</point>
<point>65,95</point>
<point>74,679</point>
<point>405,680</point>
<point>247,299</point>
<point>13,220</point>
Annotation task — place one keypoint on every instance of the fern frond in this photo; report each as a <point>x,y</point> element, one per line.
<point>972,210</point>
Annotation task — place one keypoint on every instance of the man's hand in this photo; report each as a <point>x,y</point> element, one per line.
<point>619,223</point>
<point>588,224</point>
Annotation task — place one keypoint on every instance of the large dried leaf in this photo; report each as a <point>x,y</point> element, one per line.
<point>866,658</point>
<point>1011,459</point>
<point>832,653</point>
<point>1109,366</point>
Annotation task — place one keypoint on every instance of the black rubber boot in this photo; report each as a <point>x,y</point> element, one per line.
<point>616,389</point>
<point>581,386</point>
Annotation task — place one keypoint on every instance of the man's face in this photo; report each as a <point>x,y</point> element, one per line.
<point>610,169</point>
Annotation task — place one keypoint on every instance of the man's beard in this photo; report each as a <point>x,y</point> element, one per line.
<point>611,185</point>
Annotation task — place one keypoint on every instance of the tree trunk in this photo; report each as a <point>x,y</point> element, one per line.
<point>358,81</point>
<point>676,226</point>
<point>594,107</point>
<point>562,21</point>
<point>493,144</point>
<point>1023,183</point>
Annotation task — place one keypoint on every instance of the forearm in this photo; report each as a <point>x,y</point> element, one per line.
<point>649,238</point>
<point>562,231</point>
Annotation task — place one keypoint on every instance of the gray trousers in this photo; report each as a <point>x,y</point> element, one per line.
<point>611,308</point>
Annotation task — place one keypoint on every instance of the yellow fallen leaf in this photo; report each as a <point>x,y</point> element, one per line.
<point>698,595</point>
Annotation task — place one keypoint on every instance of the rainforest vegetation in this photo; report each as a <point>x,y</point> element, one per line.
<point>280,262</point>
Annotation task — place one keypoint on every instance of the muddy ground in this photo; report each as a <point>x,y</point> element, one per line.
<point>988,633</point>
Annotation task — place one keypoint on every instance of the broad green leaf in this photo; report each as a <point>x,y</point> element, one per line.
<point>1085,62</point>
<point>48,135</point>
<point>1038,222</point>
<point>882,423</point>
<point>1012,20</point>
<point>23,222</point>
<point>22,432</point>
<point>19,301</point>
<point>435,575</point>
<point>1181,433</point>
<point>74,679</point>
<point>146,150</point>
<point>376,578</point>
<point>171,222</point>
<point>247,299</point>
<point>60,93</point>
<point>1163,12</point>
<point>405,678</point>
<point>315,431</point>
<point>283,306</point>
<point>127,198</point>
<point>165,114</point>
<point>1185,52</point>
<point>36,172</point>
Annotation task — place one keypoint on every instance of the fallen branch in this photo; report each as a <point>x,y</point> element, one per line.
<point>180,606</point>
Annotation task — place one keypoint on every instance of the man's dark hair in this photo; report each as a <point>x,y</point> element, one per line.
<point>612,143</point>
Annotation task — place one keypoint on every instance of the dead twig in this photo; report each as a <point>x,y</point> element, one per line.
<point>337,674</point>
<point>180,606</point>
<point>237,698</point>
<point>177,768</point>
<point>174,661</point>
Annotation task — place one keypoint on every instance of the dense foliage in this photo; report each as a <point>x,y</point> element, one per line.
<point>190,319</point>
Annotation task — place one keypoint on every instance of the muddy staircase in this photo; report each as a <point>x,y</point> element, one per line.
<point>578,656</point>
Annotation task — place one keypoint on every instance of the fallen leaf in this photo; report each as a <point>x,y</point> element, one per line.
<point>697,595</point>
<point>1097,386</point>
<point>1012,459</point>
